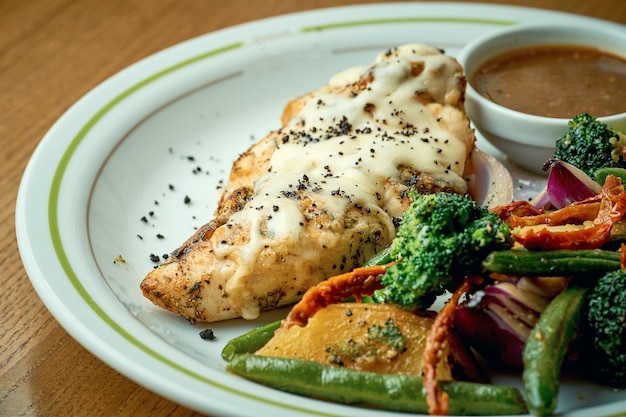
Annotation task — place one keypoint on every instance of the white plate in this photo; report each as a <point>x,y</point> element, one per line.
<point>179,118</point>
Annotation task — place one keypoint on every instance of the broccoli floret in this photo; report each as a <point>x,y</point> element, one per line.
<point>590,145</point>
<point>442,237</point>
<point>606,328</point>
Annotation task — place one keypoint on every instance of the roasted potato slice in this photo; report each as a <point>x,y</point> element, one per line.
<point>378,338</point>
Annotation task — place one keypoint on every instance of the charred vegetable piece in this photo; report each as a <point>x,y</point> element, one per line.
<point>392,392</point>
<point>546,348</point>
<point>355,284</point>
<point>594,235</point>
<point>558,262</point>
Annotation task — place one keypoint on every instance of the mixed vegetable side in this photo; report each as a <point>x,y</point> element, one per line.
<point>534,285</point>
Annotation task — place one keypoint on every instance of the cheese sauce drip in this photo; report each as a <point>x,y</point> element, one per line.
<point>343,148</point>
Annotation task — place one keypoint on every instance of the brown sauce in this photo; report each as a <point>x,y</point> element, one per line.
<point>555,81</point>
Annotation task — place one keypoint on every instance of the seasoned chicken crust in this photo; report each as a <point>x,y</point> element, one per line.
<point>323,193</point>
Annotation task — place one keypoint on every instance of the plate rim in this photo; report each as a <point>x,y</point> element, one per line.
<point>62,313</point>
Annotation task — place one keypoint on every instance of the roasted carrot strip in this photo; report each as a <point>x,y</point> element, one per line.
<point>521,208</point>
<point>572,214</point>
<point>436,398</point>
<point>611,208</point>
<point>357,283</point>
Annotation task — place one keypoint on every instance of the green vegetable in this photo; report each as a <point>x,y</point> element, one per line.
<point>546,347</point>
<point>251,341</point>
<point>391,392</point>
<point>442,237</point>
<point>605,322</point>
<point>602,173</point>
<point>559,262</point>
<point>380,258</point>
<point>590,145</point>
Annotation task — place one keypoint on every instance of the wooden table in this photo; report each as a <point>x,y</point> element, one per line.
<point>51,53</point>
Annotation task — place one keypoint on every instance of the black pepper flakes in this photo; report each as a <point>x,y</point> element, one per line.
<point>207,334</point>
<point>194,287</point>
<point>291,194</point>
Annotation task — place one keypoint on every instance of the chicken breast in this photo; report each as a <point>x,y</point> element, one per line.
<point>323,193</point>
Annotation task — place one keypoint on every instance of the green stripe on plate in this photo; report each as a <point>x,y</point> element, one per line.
<point>402,20</point>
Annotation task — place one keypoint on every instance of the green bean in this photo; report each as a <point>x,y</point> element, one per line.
<point>251,341</point>
<point>380,258</point>
<point>558,262</point>
<point>392,392</point>
<point>546,347</point>
<point>601,174</point>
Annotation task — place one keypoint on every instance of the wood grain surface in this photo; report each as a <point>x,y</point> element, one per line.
<point>52,52</point>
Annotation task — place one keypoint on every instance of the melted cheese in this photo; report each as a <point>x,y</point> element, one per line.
<point>343,148</point>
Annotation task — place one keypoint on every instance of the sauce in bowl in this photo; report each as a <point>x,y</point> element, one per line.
<point>555,81</point>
